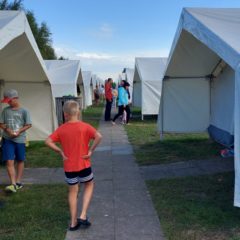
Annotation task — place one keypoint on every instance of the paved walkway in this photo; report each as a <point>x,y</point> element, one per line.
<point>121,208</point>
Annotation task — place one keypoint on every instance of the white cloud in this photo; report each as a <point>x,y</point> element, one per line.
<point>104,31</point>
<point>97,56</point>
<point>105,64</point>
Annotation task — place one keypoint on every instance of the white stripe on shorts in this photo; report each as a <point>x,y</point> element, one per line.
<point>72,180</point>
<point>86,179</point>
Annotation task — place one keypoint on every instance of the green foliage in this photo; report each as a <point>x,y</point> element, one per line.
<point>62,58</point>
<point>15,5</point>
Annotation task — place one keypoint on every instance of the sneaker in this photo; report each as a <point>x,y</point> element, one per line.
<point>84,223</point>
<point>11,188</point>
<point>76,227</point>
<point>19,186</point>
<point>113,123</point>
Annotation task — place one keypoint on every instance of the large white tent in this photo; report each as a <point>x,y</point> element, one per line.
<point>64,76</point>
<point>23,69</point>
<point>202,80</point>
<point>147,84</point>
<point>87,75</point>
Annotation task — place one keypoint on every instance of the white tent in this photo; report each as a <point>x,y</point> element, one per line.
<point>129,73</point>
<point>94,83</point>
<point>64,76</point>
<point>23,69</point>
<point>147,84</point>
<point>202,79</point>
<point>87,75</point>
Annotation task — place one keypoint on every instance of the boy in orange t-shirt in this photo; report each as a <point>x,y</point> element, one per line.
<point>74,137</point>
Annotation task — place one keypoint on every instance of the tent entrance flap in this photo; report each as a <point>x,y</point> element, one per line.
<point>186,105</point>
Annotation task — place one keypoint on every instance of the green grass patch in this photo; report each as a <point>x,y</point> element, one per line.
<point>197,207</point>
<point>38,212</point>
<point>92,114</point>
<point>149,149</point>
<point>39,155</point>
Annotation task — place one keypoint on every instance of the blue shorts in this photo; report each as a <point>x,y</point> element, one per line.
<point>13,151</point>
<point>82,176</point>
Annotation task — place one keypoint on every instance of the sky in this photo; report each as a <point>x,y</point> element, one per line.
<point>107,35</point>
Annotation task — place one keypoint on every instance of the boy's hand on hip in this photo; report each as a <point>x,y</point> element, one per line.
<point>63,156</point>
<point>88,155</point>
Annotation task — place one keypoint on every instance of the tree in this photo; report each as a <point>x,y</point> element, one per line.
<point>62,58</point>
<point>41,34</point>
<point>15,5</point>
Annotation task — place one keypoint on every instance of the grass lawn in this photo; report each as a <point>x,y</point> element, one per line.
<point>93,114</point>
<point>149,149</point>
<point>36,212</point>
<point>195,208</point>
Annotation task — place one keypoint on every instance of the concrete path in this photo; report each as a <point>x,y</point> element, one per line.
<point>121,208</point>
<point>37,176</point>
<point>189,168</point>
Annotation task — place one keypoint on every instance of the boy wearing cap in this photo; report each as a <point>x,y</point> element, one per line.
<point>14,121</point>
<point>74,137</point>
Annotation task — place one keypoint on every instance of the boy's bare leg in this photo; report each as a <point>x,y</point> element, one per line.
<point>20,168</point>
<point>87,196</point>
<point>72,200</point>
<point>11,171</point>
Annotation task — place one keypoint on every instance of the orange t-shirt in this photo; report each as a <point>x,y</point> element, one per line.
<point>74,138</point>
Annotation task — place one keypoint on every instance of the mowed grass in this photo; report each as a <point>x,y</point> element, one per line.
<point>148,148</point>
<point>38,212</point>
<point>92,115</point>
<point>196,208</point>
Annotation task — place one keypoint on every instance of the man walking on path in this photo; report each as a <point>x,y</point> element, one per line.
<point>74,137</point>
<point>14,121</point>
<point>109,99</point>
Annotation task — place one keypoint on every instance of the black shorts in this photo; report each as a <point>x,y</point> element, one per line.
<point>82,176</point>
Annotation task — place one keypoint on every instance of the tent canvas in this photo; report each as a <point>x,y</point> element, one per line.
<point>94,83</point>
<point>23,69</point>
<point>64,75</point>
<point>147,84</point>
<point>87,88</point>
<point>202,78</point>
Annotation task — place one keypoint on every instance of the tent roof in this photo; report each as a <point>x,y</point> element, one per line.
<point>204,36</point>
<point>18,50</point>
<point>64,71</point>
<point>150,69</point>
